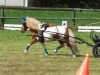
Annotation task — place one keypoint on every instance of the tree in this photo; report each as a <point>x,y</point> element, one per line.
<point>65,3</point>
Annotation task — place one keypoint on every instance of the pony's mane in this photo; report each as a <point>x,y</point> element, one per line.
<point>33,23</point>
<point>33,19</point>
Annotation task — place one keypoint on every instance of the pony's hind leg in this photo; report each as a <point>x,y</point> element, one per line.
<point>59,47</point>
<point>71,44</point>
<point>73,49</point>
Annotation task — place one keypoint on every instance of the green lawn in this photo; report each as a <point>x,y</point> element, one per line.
<point>14,62</point>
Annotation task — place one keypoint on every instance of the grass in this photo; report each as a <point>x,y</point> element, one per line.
<point>14,62</point>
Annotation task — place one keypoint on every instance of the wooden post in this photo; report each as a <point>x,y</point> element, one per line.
<point>74,16</point>
<point>2,15</point>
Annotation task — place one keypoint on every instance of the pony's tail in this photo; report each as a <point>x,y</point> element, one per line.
<point>72,40</point>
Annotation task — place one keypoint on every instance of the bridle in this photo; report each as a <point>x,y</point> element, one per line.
<point>24,25</point>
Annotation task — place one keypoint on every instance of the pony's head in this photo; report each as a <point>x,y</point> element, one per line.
<point>23,26</point>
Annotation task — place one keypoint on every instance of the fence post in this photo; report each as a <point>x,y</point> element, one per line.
<point>2,15</point>
<point>74,16</point>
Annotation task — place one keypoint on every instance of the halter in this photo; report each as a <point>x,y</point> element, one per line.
<point>23,20</point>
<point>24,23</point>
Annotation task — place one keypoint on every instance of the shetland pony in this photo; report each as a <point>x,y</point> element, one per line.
<point>60,33</point>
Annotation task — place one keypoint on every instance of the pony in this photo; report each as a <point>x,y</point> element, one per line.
<point>43,32</point>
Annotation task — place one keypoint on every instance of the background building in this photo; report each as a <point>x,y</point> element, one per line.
<point>23,3</point>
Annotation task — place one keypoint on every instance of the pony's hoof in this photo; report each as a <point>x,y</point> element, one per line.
<point>46,54</point>
<point>55,51</point>
<point>25,51</point>
<point>74,55</point>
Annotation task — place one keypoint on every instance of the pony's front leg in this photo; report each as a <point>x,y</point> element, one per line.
<point>34,40</point>
<point>26,49</point>
<point>44,47</point>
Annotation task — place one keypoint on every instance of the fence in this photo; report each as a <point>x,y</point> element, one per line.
<point>18,26</point>
<point>73,16</point>
<point>12,26</point>
<point>88,28</point>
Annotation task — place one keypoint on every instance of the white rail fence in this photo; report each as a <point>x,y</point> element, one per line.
<point>12,26</point>
<point>18,26</point>
<point>80,28</point>
<point>88,28</point>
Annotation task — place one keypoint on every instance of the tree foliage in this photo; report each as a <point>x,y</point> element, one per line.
<point>65,3</point>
